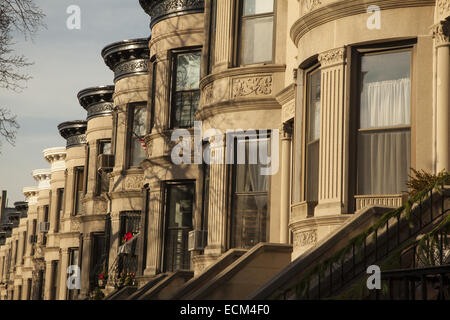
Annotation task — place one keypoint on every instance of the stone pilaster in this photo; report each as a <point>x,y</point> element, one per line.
<point>441,36</point>
<point>224,36</point>
<point>48,280</point>
<point>333,127</point>
<point>286,138</point>
<point>154,232</point>
<point>63,274</point>
<point>85,265</point>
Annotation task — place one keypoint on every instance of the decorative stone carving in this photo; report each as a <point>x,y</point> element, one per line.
<point>131,67</point>
<point>332,57</point>
<point>162,9</point>
<point>443,6</point>
<point>305,238</point>
<point>101,109</point>
<point>133,182</point>
<point>288,111</point>
<point>73,132</point>
<point>253,86</point>
<point>441,32</point>
<point>100,207</point>
<point>208,94</point>
<point>76,140</point>
<point>75,226</point>
<point>310,5</point>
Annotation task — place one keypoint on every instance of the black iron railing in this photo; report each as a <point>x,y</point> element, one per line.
<point>371,248</point>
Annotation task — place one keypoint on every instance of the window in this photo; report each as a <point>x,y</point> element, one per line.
<point>24,246</point>
<point>98,258</point>
<point>74,260</point>
<point>54,283</point>
<point>250,194</point>
<point>153,94</point>
<point>212,35</point>
<point>59,207</point>
<point>137,130</point>
<point>185,88</point>
<point>44,235</point>
<point>256,31</point>
<point>79,177</point>
<point>102,185</point>
<point>179,209</point>
<point>384,133</point>
<point>312,135</point>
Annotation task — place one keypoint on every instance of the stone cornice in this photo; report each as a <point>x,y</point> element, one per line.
<point>56,157</point>
<point>441,32</point>
<point>341,9</point>
<point>73,132</point>
<point>42,177</point>
<point>97,101</point>
<point>332,57</point>
<point>163,9</point>
<point>127,58</point>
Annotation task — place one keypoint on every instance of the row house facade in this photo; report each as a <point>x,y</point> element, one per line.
<point>292,119</point>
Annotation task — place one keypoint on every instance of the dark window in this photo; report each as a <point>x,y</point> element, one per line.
<point>59,207</point>
<point>29,288</point>
<point>256,31</point>
<point>98,258</point>
<point>153,95</point>
<point>137,129</point>
<point>74,260</point>
<point>44,235</point>
<point>16,251</point>
<point>212,36</point>
<point>54,283</point>
<point>79,177</point>
<point>185,88</point>
<point>384,133</point>
<point>179,208</point>
<point>24,246</point>
<point>313,135</point>
<point>102,185</point>
<point>250,193</point>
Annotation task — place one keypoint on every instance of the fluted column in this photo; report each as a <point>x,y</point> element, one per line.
<point>162,92</point>
<point>217,220</point>
<point>333,125</point>
<point>154,232</point>
<point>224,36</point>
<point>285,181</point>
<point>441,35</point>
<point>63,276</point>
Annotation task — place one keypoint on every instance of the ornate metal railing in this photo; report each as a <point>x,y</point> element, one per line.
<point>390,236</point>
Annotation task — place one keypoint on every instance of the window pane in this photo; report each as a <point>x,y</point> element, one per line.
<point>312,184</point>
<point>186,104</point>
<point>383,162</point>
<point>386,90</point>
<point>314,107</point>
<point>257,7</point>
<point>139,130</point>
<point>106,148</point>
<point>188,71</point>
<point>254,49</point>
<point>139,121</point>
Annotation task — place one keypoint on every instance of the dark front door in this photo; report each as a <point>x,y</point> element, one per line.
<point>178,222</point>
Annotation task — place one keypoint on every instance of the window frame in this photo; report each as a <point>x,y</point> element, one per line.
<point>238,28</point>
<point>357,53</point>
<point>174,53</point>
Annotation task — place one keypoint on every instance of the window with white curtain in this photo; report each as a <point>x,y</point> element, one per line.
<point>257,28</point>
<point>250,197</point>
<point>384,132</point>
<point>313,135</point>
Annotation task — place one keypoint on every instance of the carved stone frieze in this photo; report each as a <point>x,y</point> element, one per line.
<point>208,94</point>
<point>252,86</point>
<point>332,57</point>
<point>162,9</point>
<point>131,67</point>
<point>133,182</point>
<point>441,32</point>
<point>310,5</point>
<point>443,7</point>
<point>305,238</point>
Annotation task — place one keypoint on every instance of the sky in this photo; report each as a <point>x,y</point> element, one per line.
<point>65,62</point>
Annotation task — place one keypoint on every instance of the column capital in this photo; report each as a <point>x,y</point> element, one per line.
<point>332,57</point>
<point>441,32</point>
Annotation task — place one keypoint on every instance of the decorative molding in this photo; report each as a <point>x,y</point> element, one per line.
<point>310,5</point>
<point>341,9</point>
<point>441,32</point>
<point>208,94</point>
<point>128,68</point>
<point>305,238</point>
<point>443,7</point>
<point>252,86</point>
<point>75,141</point>
<point>100,110</point>
<point>133,182</point>
<point>332,57</point>
<point>73,132</point>
<point>162,9</point>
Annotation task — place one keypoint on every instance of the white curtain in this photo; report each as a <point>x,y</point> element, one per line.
<point>386,103</point>
<point>384,157</point>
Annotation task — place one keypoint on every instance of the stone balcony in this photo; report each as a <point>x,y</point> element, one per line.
<point>127,58</point>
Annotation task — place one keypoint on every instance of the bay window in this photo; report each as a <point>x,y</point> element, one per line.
<point>256,31</point>
<point>384,133</point>
<point>185,88</point>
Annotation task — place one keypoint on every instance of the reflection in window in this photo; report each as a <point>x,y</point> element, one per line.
<point>384,130</point>
<point>79,177</point>
<point>257,24</point>
<point>249,221</point>
<point>179,214</point>
<point>313,136</point>
<point>186,95</point>
<point>104,147</point>
<point>138,129</point>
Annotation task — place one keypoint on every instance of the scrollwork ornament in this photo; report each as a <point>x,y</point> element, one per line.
<point>259,85</point>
